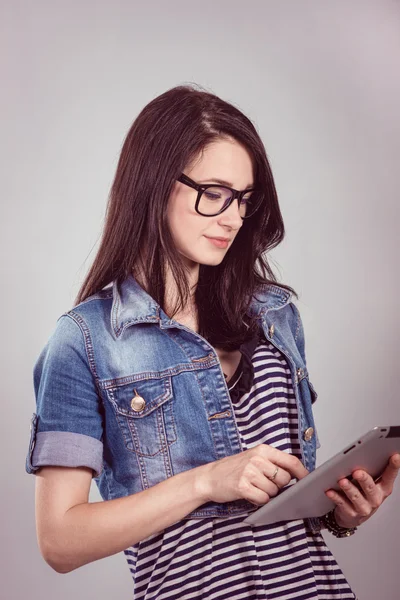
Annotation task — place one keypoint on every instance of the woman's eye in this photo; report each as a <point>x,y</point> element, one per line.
<point>212,196</point>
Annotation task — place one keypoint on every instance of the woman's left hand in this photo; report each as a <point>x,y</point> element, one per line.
<point>354,507</point>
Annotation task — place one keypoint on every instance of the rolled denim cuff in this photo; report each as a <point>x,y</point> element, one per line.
<point>67,449</point>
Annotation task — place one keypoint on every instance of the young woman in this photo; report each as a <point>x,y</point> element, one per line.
<point>179,379</point>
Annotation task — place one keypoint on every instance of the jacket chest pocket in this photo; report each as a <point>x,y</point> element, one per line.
<point>145,415</point>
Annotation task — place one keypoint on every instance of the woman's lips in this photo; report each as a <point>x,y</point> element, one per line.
<point>218,243</point>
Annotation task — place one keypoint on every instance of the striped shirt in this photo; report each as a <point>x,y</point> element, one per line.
<point>224,558</point>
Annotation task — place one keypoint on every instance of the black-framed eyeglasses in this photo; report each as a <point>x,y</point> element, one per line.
<point>213,199</point>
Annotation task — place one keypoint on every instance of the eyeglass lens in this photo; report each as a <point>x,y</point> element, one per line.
<point>215,198</point>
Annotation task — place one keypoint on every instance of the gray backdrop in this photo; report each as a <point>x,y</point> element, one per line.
<point>321,81</point>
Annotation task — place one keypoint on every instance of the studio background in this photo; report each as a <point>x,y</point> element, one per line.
<point>320,80</point>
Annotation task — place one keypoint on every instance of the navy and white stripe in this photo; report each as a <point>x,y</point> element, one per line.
<point>218,559</point>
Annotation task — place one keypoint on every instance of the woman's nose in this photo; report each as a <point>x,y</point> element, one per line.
<point>231,216</point>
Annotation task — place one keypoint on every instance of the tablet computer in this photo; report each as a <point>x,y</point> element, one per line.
<point>306,497</point>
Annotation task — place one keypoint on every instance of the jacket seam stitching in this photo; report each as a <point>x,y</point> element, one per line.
<point>201,391</point>
<point>87,342</point>
<point>298,323</point>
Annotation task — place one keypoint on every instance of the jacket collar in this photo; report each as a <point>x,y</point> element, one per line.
<point>132,304</point>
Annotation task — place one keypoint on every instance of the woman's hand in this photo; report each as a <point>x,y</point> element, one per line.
<point>247,475</point>
<point>354,507</point>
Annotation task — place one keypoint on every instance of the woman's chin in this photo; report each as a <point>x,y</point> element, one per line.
<point>211,258</point>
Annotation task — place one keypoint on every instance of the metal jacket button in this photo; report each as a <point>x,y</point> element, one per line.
<point>137,403</point>
<point>309,432</point>
<point>300,372</point>
<point>271,330</point>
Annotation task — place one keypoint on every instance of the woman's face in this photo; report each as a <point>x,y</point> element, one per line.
<point>225,160</point>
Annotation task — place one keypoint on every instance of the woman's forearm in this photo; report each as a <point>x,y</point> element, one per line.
<point>91,531</point>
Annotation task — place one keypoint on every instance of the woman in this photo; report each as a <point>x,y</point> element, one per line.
<point>179,379</point>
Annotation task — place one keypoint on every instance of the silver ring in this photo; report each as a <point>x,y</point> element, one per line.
<point>274,475</point>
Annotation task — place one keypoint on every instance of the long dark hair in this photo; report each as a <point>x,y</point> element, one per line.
<point>169,134</point>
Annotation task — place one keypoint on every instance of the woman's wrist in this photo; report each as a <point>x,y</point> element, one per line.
<point>201,485</point>
<point>330,523</point>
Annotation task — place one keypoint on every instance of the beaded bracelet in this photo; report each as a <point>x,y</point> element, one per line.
<point>330,523</point>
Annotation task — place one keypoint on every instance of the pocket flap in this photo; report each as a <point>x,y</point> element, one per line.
<point>314,394</point>
<point>138,399</point>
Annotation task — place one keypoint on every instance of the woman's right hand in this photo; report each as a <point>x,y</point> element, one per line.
<point>245,475</point>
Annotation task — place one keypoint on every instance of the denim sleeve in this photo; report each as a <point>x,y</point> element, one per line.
<point>67,427</point>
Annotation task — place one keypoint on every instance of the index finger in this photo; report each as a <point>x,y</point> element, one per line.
<point>289,462</point>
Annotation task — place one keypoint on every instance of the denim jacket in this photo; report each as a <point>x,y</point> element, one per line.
<point>138,397</point>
